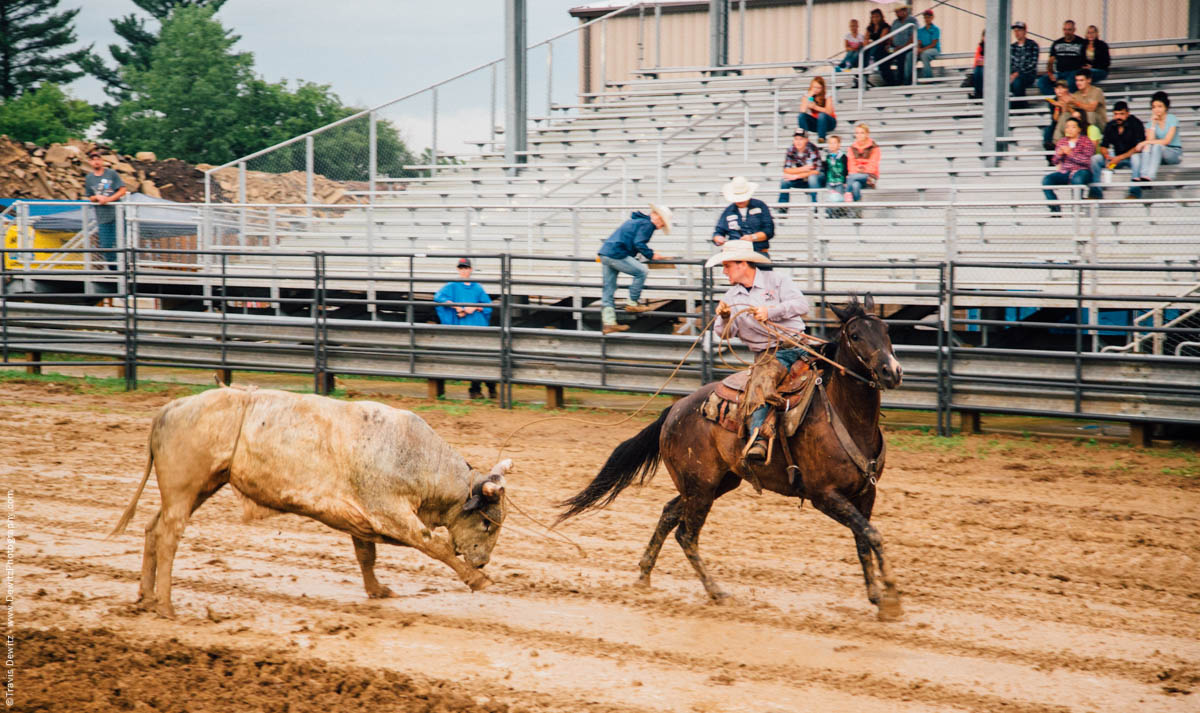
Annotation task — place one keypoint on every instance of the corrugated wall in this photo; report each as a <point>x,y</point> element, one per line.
<point>778,33</point>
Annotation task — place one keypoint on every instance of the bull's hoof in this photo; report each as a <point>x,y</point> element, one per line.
<point>890,609</point>
<point>380,592</point>
<point>479,582</point>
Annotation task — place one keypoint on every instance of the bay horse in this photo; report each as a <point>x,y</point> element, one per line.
<point>828,447</point>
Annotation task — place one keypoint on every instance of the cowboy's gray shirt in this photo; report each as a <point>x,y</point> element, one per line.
<point>785,305</point>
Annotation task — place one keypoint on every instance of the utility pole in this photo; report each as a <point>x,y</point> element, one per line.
<point>516,86</point>
<point>718,33</point>
<point>996,62</point>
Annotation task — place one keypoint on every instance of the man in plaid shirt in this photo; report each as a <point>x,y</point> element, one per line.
<point>1024,61</point>
<point>801,168</point>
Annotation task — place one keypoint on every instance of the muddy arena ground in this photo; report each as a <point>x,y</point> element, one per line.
<point>1038,575</point>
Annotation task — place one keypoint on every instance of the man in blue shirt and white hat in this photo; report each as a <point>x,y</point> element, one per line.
<point>474,315</point>
<point>618,254</point>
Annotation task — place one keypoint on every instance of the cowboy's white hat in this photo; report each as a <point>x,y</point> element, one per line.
<point>739,189</point>
<point>665,213</point>
<point>737,251</point>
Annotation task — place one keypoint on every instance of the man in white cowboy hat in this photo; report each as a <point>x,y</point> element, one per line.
<point>755,299</point>
<point>746,218</point>
<point>617,254</point>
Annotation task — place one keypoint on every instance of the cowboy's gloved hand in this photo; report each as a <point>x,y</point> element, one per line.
<point>722,309</point>
<point>760,313</point>
<point>719,239</point>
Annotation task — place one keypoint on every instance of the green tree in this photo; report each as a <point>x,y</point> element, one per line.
<point>45,115</point>
<point>30,32</point>
<point>199,100</point>
<point>139,40</point>
<point>186,103</point>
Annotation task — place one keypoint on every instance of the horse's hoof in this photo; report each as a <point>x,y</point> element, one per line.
<point>890,609</point>
<point>166,611</point>
<point>720,597</point>
<point>643,582</point>
<point>380,592</point>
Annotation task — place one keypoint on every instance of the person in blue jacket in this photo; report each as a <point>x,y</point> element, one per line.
<point>746,218</point>
<point>618,254</point>
<point>476,316</point>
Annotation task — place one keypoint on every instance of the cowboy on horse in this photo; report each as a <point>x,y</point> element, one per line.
<point>760,307</point>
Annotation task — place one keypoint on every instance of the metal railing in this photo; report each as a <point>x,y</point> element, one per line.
<point>961,351</point>
<point>372,115</point>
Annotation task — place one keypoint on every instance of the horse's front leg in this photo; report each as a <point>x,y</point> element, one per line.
<point>836,506</point>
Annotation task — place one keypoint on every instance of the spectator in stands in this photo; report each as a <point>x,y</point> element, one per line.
<point>817,112</point>
<point>853,42</point>
<point>1090,99</point>
<point>836,171</point>
<point>1060,111</point>
<point>1162,143</point>
<point>801,168</point>
<point>862,163</point>
<point>876,28</point>
<point>618,254</point>
<point>477,316</point>
<point>1023,62</point>
<point>1096,58</point>
<point>976,78</point>
<point>929,44</point>
<point>103,186</point>
<point>898,70</point>
<point>1066,56</point>
<point>1073,156</point>
<point>746,217</point>
<point>1089,130</point>
<point>1119,143</point>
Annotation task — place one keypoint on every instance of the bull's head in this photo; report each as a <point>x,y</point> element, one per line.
<point>476,529</point>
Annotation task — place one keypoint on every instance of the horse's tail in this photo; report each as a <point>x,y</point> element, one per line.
<point>635,459</point>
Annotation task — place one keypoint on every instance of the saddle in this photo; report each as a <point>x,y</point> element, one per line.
<point>723,405</point>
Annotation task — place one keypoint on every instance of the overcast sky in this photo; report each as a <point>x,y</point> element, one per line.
<point>372,51</point>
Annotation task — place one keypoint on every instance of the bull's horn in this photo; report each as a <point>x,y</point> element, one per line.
<point>502,467</point>
<point>492,490</point>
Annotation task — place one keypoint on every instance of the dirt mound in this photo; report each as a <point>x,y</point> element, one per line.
<point>97,670</point>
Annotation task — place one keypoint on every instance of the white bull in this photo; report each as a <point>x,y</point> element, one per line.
<point>378,473</point>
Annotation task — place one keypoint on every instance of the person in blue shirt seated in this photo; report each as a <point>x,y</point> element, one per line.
<point>618,254</point>
<point>746,218</point>
<point>477,315</point>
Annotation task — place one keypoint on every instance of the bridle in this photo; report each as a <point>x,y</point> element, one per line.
<point>854,352</point>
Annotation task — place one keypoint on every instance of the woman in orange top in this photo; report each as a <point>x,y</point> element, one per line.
<point>816,110</point>
<point>863,160</point>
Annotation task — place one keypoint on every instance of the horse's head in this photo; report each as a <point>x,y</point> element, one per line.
<point>865,337</point>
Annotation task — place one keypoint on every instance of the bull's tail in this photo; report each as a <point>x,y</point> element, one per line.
<point>635,459</point>
<point>129,511</point>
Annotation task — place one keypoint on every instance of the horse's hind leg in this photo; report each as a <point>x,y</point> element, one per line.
<point>695,512</point>
<point>866,537</point>
<point>669,520</point>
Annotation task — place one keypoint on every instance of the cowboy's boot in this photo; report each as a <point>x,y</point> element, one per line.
<point>768,373</point>
<point>608,318</point>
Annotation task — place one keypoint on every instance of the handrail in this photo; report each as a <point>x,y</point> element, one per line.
<point>593,169</point>
<point>368,112</point>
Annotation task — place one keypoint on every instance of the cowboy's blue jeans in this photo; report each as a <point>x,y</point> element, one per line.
<point>787,357</point>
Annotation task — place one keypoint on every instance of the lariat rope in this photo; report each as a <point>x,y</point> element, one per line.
<point>781,334</point>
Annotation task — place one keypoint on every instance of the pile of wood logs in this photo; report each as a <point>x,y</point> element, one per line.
<point>58,171</point>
